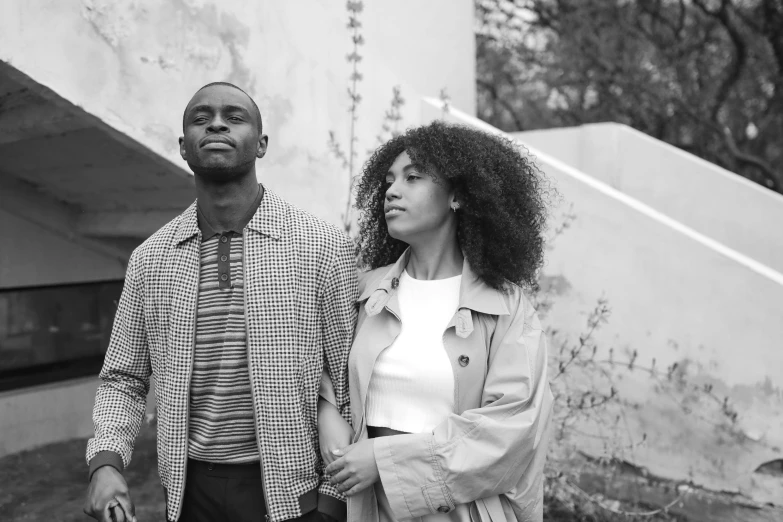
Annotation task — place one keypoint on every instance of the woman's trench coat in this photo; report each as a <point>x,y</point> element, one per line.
<point>495,441</point>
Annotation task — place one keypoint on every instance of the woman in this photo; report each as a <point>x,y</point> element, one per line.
<point>449,396</point>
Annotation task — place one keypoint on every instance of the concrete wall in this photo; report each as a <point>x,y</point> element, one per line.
<point>720,204</point>
<point>46,414</point>
<point>49,413</point>
<point>676,296</point>
<point>35,256</point>
<point>135,64</point>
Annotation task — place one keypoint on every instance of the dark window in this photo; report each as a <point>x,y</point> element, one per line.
<point>54,333</point>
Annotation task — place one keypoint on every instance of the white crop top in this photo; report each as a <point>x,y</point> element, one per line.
<point>412,383</point>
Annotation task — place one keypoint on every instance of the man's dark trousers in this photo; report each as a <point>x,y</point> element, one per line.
<point>228,493</point>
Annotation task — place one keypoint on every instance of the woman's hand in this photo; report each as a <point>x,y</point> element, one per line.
<point>334,432</point>
<point>356,468</point>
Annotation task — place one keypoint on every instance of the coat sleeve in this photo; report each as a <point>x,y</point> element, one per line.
<point>121,399</point>
<point>484,451</point>
<point>338,319</point>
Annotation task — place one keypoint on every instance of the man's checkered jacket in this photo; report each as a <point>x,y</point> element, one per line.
<point>300,311</point>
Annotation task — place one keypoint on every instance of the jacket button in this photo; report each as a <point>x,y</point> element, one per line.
<point>443,509</point>
<point>464,360</point>
<point>395,283</point>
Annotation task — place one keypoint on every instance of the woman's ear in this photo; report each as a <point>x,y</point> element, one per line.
<point>454,204</point>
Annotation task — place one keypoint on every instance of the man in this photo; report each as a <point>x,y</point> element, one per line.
<point>235,306</point>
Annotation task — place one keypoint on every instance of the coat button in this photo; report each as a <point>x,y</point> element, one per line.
<point>395,283</point>
<point>443,509</point>
<point>464,360</point>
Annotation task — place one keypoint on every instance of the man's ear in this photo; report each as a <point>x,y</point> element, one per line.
<point>182,151</point>
<point>263,142</point>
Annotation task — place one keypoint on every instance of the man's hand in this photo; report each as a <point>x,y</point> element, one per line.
<point>356,468</point>
<point>334,432</point>
<point>108,499</point>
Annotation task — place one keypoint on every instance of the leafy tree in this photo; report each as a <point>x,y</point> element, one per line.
<point>703,75</point>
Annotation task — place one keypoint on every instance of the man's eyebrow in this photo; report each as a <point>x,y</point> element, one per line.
<point>199,108</point>
<point>209,108</point>
<point>235,108</point>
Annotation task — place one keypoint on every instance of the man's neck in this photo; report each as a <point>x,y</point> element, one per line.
<point>223,204</point>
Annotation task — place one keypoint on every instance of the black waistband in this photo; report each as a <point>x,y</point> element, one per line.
<point>214,469</point>
<point>374,432</point>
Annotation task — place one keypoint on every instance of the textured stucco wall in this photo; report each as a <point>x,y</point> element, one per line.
<point>135,64</point>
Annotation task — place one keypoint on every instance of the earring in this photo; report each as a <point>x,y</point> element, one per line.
<point>454,206</point>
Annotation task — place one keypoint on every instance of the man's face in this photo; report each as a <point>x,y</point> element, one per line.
<point>221,133</point>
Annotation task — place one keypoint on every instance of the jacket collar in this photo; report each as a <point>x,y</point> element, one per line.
<point>188,224</point>
<point>267,220</point>
<point>474,294</point>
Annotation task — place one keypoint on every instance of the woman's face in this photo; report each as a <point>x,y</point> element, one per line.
<point>416,207</point>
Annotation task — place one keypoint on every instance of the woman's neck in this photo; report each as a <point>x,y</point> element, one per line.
<point>435,260</point>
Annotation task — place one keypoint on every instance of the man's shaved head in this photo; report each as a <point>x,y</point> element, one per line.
<point>222,136</point>
<point>226,84</point>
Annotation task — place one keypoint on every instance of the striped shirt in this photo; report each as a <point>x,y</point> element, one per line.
<point>222,426</point>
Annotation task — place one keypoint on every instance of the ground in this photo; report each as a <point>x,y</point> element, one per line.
<point>49,484</point>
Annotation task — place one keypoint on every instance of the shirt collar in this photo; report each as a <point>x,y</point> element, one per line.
<point>474,293</point>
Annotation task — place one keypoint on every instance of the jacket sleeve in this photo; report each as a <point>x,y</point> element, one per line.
<point>484,451</point>
<point>121,399</point>
<point>327,391</point>
<point>338,309</point>
<point>338,305</point>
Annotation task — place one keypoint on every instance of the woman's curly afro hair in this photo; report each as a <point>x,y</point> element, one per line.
<point>503,201</point>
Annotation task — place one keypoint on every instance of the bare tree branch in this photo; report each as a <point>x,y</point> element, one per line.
<point>738,60</point>
<point>491,88</point>
<point>769,172</point>
<point>695,73</point>
<point>773,18</point>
